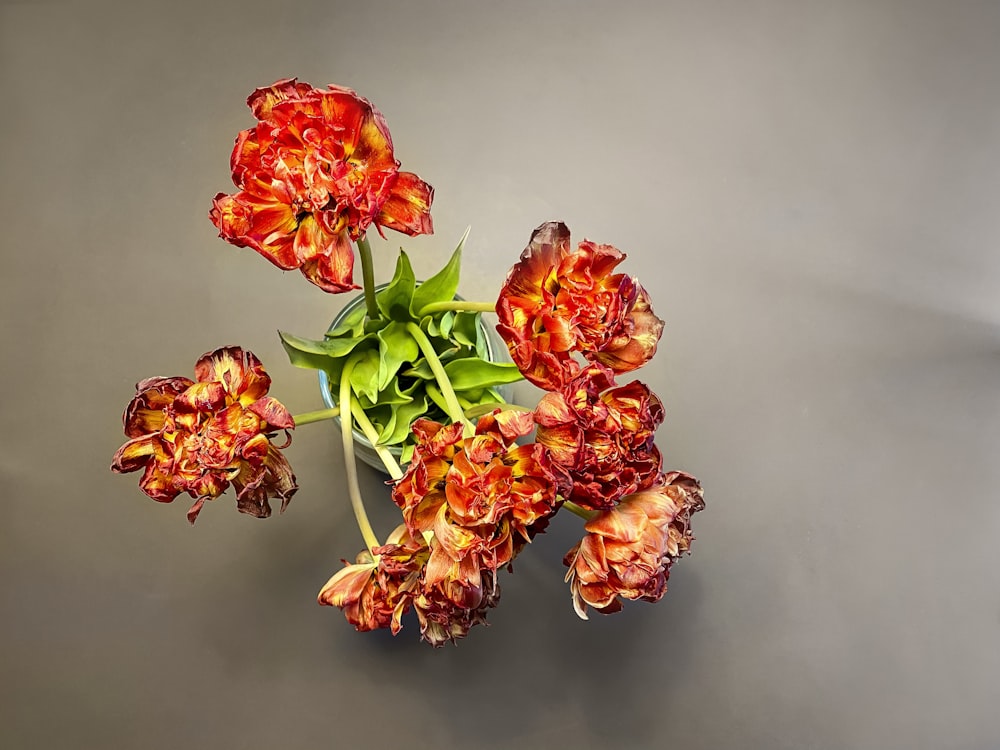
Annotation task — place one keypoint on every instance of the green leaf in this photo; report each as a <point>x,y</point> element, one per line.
<point>364,376</point>
<point>396,346</point>
<point>394,300</point>
<point>317,355</point>
<point>440,287</point>
<point>478,396</point>
<point>407,453</point>
<point>352,325</point>
<point>470,372</point>
<point>466,329</point>
<point>398,428</point>
<point>391,394</point>
<point>420,369</point>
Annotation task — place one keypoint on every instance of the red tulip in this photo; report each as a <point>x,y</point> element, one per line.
<point>557,301</point>
<point>601,436</point>
<point>316,171</point>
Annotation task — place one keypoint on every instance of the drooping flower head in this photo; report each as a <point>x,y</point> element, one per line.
<point>375,592</point>
<point>629,549</point>
<point>557,301</point>
<point>199,436</point>
<point>602,436</point>
<point>481,497</point>
<point>316,171</point>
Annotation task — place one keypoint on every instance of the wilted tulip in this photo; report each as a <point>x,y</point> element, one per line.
<point>201,436</point>
<point>628,550</point>
<point>557,301</point>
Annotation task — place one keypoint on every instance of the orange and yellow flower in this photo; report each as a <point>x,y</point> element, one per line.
<point>602,436</point>
<point>376,591</point>
<point>628,550</point>
<point>557,301</point>
<point>199,436</point>
<point>481,498</point>
<point>316,171</point>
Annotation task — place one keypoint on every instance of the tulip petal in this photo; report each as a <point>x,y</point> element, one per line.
<point>273,412</point>
<point>134,455</point>
<point>408,207</point>
<point>331,267</point>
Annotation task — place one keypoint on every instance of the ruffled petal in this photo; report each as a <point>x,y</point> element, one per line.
<point>146,412</point>
<point>273,412</point>
<point>262,100</point>
<point>135,454</point>
<point>408,207</point>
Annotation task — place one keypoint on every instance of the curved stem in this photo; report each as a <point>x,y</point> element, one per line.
<point>388,460</point>
<point>477,410</point>
<point>350,465</point>
<point>454,410</point>
<point>435,395</point>
<point>457,306</point>
<point>316,416</point>
<point>368,276</point>
<point>575,509</point>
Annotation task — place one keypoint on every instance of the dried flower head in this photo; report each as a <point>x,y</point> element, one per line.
<point>557,301</point>
<point>602,436</point>
<point>376,591</point>
<point>628,550</point>
<point>316,171</point>
<point>199,436</point>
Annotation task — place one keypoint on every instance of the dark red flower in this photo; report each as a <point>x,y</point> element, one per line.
<point>602,436</point>
<point>557,301</point>
<point>201,436</point>
<point>629,549</point>
<point>314,174</point>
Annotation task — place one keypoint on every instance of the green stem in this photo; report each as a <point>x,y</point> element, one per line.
<point>388,460</point>
<point>457,306</point>
<point>575,509</point>
<point>454,409</point>
<point>368,274</point>
<point>350,465</point>
<point>316,416</point>
<point>435,395</point>
<point>477,410</point>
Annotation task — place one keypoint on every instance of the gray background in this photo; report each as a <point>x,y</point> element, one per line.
<point>809,190</point>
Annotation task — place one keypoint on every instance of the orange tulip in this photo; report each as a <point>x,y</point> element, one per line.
<point>479,498</point>
<point>316,171</point>
<point>375,592</point>
<point>628,551</point>
<point>557,301</point>
<point>201,436</point>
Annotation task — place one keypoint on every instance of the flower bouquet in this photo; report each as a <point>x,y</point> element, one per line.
<point>410,372</point>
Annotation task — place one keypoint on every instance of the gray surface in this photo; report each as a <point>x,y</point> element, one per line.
<point>811,193</point>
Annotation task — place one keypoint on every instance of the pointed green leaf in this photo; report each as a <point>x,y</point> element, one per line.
<point>407,453</point>
<point>351,325</point>
<point>440,287</point>
<point>394,300</point>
